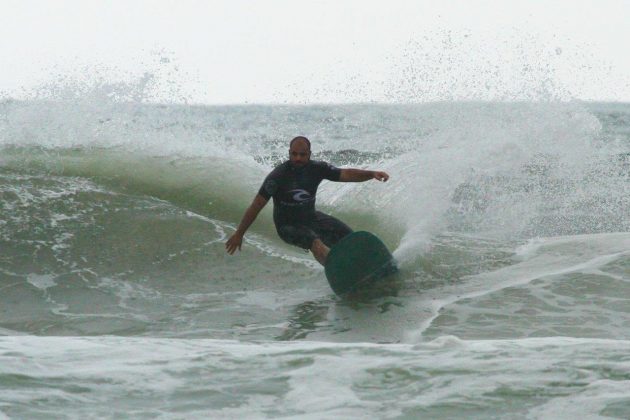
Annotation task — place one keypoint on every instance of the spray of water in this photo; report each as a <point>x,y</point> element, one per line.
<point>508,170</point>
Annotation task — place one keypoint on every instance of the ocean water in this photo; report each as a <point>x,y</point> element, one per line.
<point>510,223</point>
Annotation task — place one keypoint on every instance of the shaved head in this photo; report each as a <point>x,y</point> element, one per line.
<point>299,151</point>
<point>301,139</point>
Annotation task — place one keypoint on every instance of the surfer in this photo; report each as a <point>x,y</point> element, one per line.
<point>293,185</point>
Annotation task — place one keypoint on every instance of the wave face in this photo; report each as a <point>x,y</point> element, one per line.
<point>509,170</point>
<point>510,221</point>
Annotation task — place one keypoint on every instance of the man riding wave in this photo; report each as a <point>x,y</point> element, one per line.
<point>293,187</point>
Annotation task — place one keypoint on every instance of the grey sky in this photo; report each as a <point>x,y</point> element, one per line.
<point>285,51</point>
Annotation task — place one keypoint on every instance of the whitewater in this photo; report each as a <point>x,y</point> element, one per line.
<point>510,223</point>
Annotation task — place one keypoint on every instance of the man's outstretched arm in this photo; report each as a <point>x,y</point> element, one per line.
<point>236,240</point>
<point>360,175</point>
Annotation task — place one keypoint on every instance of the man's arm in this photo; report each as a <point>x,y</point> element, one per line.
<point>360,175</point>
<point>236,240</point>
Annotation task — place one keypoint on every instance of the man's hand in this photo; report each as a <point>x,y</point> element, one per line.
<point>380,176</point>
<point>235,241</point>
<point>361,175</point>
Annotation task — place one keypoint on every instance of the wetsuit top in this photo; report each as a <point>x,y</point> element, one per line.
<point>293,190</point>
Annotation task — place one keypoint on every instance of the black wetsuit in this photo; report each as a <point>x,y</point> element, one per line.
<point>293,190</point>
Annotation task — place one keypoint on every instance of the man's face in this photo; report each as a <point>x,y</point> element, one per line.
<point>299,154</point>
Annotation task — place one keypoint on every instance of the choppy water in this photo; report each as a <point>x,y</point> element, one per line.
<point>511,224</point>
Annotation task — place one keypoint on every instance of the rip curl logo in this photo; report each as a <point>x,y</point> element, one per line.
<point>301,195</point>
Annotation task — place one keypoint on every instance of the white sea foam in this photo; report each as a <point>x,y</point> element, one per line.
<point>313,379</point>
<point>41,281</point>
<point>561,256</point>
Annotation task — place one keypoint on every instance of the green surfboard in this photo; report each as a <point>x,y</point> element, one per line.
<point>357,261</point>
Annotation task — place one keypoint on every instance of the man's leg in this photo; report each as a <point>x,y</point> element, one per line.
<point>320,251</point>
<point>318,237</point>
<point>305,238</point>
<point>329,229</point>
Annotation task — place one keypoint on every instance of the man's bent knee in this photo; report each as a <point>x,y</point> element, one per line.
<point>299,236</point>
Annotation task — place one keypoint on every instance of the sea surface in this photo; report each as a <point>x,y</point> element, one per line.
<point>510,223</point>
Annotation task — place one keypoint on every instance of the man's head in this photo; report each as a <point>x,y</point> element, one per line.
<point>299,151</point>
